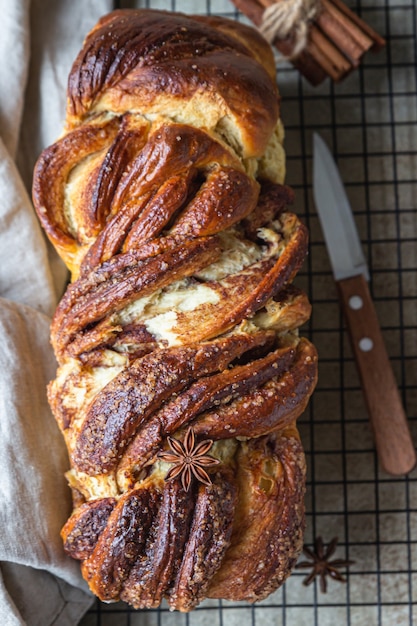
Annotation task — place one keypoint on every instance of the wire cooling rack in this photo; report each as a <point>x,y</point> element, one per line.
<point>369,121</point>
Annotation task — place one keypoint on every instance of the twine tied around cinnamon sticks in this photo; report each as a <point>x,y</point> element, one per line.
<point>320,38</point>
<point>289,18</point>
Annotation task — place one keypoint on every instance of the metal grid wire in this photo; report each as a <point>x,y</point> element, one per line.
<point>369,121</point>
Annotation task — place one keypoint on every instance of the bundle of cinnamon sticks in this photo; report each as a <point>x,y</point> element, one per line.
<point>337,39</point>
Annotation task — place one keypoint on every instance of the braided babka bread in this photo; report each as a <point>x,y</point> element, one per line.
<point>181,370</point>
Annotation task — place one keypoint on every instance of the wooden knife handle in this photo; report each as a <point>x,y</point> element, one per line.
<point>393,441</point>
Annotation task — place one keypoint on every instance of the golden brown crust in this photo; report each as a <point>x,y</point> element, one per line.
<point>152,61</point>
<point>133,397</point>
<point>271,396</point>
<point>204,189</point>
<point>267,536</point>
<point>267,408</point>
<point>122,542</point>
<point>89,301</point>
<point>84,316</point>
<point>84,527</point>
<point>181,370</point>
<point>151,576</point>
<point>208,542</point>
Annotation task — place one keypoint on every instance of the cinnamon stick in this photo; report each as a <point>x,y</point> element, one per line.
<point>362,39</point>
<point>337,39</point>
<point>350,41</point>
<point>267,3</point>
<point>308,67</point>
<point>335,32</point>
<point>304,62</point>
<point>334,63</point>
<point>252,9</point>
<point>378,41</point>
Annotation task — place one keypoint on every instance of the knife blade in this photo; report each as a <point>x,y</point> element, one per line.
<point>392,436</point>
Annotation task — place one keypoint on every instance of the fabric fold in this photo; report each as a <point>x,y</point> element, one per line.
<point>34,497</point>
<point>39,584</point>
<point>25,275</point>
<point>14,52</point>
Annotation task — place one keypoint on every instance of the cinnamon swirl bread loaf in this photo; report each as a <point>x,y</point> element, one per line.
<point>181,369</point>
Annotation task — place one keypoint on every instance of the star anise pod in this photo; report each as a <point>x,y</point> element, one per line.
<point>320,564</point>
<point>189,459</point>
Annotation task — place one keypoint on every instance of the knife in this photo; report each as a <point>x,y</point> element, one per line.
<point>392,437</point>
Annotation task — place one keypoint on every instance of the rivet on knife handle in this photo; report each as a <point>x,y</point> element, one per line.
<point>393,441</point>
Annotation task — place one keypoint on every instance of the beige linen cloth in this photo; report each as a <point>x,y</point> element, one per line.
<point>39,585</point>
